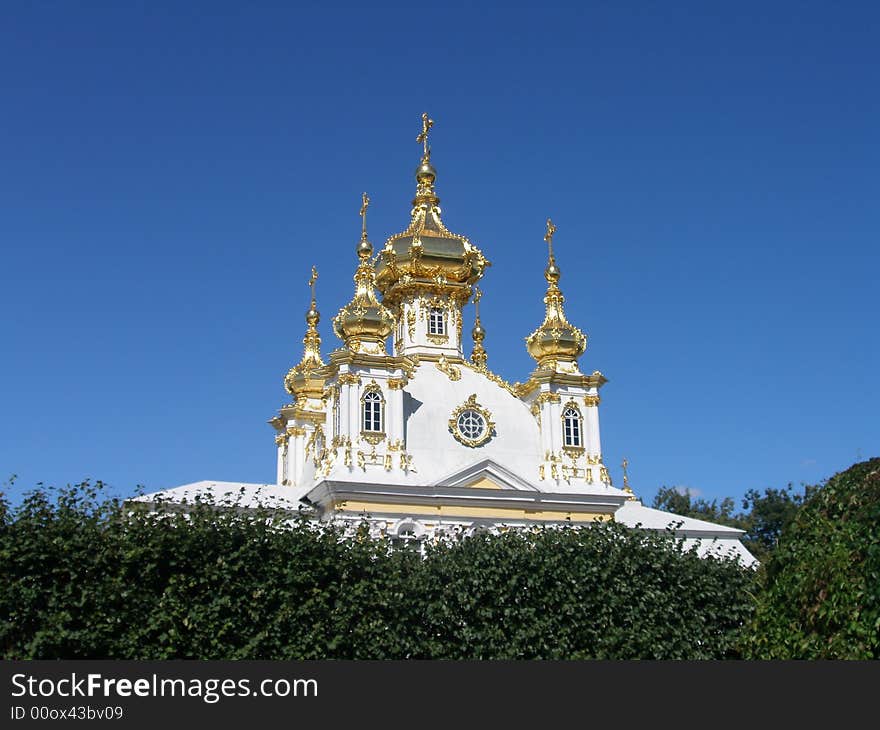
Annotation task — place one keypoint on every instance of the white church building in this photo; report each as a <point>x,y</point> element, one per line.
<point>422,440</point>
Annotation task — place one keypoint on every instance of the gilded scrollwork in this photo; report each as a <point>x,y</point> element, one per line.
<point>372,438</point>
<point>548,397</point>
<point>445,367</point>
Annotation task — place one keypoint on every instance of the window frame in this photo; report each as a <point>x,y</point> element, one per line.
<point>437,322</point>
<point>572,427</point>
<point>373,396</point>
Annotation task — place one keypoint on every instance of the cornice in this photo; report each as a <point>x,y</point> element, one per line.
<point>329,491</point>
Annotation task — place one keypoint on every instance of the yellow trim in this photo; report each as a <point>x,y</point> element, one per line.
<point>445,510</point>
<point>485,483</point>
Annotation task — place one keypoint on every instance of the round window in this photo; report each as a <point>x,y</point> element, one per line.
<point>471,425</point>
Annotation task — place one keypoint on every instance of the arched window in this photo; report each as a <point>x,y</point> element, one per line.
<point>572,428</point>
<point>371,421</point>
<point>407,532</point>
<point>436,321</point>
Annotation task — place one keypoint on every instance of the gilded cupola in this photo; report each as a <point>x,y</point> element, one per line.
<point>556,342</point>
<point>427,255</point>
<point>364,324</point>
<point>299,378</point>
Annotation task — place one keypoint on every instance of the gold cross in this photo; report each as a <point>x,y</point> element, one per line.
<point>478,295</point>
<point>423,137</point>
<point>548,237</point>
<point>364,205</point>
<point>625,477</point>
<point>312,281</point>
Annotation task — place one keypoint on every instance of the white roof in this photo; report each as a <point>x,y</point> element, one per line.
<point>721,548</point>
<point>709,537</point>
<point>239,494</point>
<point>633,513</point>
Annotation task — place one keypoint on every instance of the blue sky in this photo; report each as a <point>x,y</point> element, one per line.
<point>170,172</point>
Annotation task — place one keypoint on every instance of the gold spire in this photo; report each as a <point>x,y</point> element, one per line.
<point>626,486</point>
<point>478,356</point>
<point>556,341</point>
<point>364,324</point>
<point>311,359</point>
<point>425,173</point>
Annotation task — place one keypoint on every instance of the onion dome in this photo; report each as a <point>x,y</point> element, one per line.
<point>427,253</point>
<point>556,341</point>
<point>364,324</point>
<point>297,377</point>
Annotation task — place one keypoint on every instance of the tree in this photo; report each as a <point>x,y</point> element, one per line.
<point>680,502</point>
<point>821,586</point>
<point>764,516</point>
<point>768,514</point>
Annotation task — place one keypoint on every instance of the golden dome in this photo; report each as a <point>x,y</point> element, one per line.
<point>364,324</point>
<point>298,377</point>
<point>427,252</point>
<point>556,340</point>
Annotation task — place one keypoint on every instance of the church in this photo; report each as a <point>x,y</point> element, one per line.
<point>399,427</point>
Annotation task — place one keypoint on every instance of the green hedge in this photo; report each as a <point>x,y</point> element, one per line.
<point>80,577</point>
<point>822,594</point>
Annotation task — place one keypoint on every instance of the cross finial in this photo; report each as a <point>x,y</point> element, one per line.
<point>548,237</point>
<point>364,205</point>
<point>423,137</point>
<point>312,280</point>
<point>625,464</point>
<point>478,295</point>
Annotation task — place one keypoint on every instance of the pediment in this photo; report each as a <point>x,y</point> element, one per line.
<point>486,474</point>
